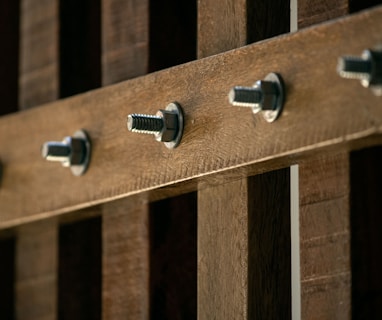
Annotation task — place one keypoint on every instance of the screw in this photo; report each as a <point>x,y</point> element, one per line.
<point>166,125</point>
<point>73,152</point>
<point>367,69</point>
<point>266,95</point>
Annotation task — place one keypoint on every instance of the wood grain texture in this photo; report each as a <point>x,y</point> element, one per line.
<point>124,39</point>
<point>340,112</point>
<point>173,258</point>
<point>125,259</point>
<point>39,62</point>
<point>36,270</point>
<point>324,211</point>
<point>316,11</point>
<point>223,251</point>
<point>325,237</point>
<point>223,26</point>
<point>269,246</point>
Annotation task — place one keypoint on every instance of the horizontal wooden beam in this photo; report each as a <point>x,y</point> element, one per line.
<point>321,111</point>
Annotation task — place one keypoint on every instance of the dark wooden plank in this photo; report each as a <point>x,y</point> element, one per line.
<point>36,270</point>
<point>366,240</point>
<point>338,114</point>
<point>9,69</point>
<point>79,270</point>
<point>264,22</point>
<point>39,62</point>
<point>7,277</point>
<point>325,237</point>
<point>269,246</point>
<point>124,39</point>
<point>173,258</point>
<point>172,33</point>
<point>80,46</point>
<point>125,259</point>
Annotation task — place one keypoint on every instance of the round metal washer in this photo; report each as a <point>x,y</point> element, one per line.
<point>272,115</point>
<point>176,108</point>
<point>80,169</point>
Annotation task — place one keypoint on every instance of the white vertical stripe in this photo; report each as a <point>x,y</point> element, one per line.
<point>295,209</point>
<point>295,243</point>
<point>293,16</point>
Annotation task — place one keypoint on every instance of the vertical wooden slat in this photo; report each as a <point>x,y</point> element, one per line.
<point>125,258</point>
<point>39,64</point>
<point>36,271</point>
<point>124,39</point>
<point>222,210</point>
<point>222,25</point>
<point>36,245</point>
<point>325,237</point>
<point>324,211</point>
<point>227,288</point>
<point>223,251</point>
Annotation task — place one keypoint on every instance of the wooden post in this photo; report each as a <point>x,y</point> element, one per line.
<point>125,242</point>
<point>324,211</point>
<point>234,252</point>
<point>36,245</point>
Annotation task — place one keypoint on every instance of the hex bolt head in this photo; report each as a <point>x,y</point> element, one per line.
<point>73,152</point>
<point>266,95</point>
<point>166,125</point>
<point>367,69</point>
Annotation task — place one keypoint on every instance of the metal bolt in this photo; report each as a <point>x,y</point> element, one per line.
<point>266,95</point>
<point>73,152</point>
<point>166,125</point>
<point>367,69</point>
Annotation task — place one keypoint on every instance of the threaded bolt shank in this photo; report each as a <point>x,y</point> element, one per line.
<point>245,96</point>
<point>354,67</point>
<point>147,124</point>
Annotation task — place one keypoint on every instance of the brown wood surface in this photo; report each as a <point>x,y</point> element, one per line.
<point>222,209</point>
<point>125,259</point>
<point>39,61</point>
<point>37,244</point>
<point>322,110</point>
<point>315,11</point>
<point>325,237</point>
<point>125,235</point>
<point>36,271</point>
<point>324,211</point>
<point>124,39</point>
<point>223,251</point>
<point>221,27</point>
